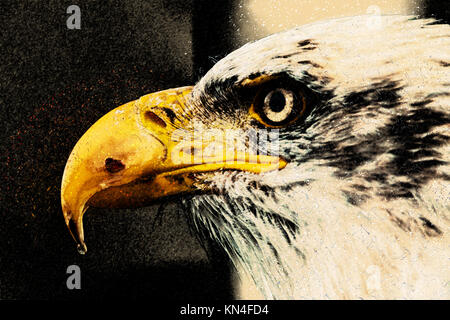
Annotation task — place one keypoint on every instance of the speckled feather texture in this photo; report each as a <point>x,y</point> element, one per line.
<point>362,209</point>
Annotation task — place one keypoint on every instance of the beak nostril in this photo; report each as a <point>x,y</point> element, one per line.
<point>151,116</point>
<point>113,165</point>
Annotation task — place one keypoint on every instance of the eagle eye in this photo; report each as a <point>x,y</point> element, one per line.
<point>278,107</point>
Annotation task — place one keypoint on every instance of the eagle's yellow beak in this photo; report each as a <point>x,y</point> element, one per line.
<point>135,155</point>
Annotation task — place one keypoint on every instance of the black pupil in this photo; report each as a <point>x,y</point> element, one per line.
<point>277,101</point>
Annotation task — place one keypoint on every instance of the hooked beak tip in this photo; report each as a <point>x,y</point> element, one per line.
<point>76,230</point>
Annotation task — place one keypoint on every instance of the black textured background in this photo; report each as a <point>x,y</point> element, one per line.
<point>55,83</point>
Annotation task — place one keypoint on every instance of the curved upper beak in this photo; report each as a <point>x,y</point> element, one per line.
<point>135,155</point>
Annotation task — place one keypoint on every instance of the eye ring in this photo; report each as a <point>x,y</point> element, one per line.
<point>278,104</point>
<point>278,107</point>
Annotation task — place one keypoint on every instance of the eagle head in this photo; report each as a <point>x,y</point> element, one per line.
<point>316,157</point>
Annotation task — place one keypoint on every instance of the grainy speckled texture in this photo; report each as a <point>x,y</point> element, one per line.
<point>55,84</point>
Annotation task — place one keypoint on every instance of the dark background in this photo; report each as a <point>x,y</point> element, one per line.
<point>55,83</point>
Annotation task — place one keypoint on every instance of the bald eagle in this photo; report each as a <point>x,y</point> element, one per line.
<point>316,157</point>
